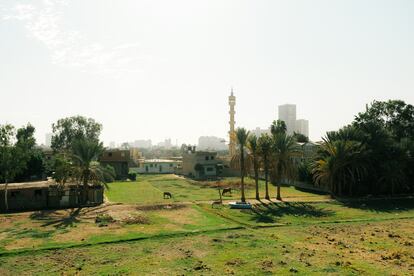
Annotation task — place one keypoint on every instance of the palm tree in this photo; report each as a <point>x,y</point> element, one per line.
<point>242,134</point>
<point>278,126</point>
<point>85,154</point>
<point>284,150</point>
<point>252,145</point>
<point>340,165</point>
<point>265,150</point>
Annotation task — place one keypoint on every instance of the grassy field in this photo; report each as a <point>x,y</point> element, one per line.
<point>148,189</point>
<point>140,233</point>
<point>383,248</point>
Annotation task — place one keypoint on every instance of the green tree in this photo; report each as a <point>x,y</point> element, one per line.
<point>242,134</point>
<point>265,151</point>
<point>14,155</point>
<point>278,127</point>
<point>284,150</point>
<point>85,154</point>
<point>300,138</point>
<point>340,165</point>
<point>394,115</point>
<point>68,130</point>
<point>252,145</point>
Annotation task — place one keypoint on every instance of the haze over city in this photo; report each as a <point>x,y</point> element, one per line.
<point>164,69</point>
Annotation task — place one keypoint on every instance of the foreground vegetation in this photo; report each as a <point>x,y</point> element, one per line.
<point>381,248</point>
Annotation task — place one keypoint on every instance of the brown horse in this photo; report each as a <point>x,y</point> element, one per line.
<point>167,195</point>
<point>226,190</point>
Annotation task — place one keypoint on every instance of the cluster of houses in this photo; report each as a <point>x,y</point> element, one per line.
<point>193,164</point>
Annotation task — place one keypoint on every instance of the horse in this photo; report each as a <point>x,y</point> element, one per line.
<point>226,190</point>
<point>167,195</point>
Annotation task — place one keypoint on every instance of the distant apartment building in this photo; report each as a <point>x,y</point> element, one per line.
<point>158,166</point>
<point>166,144</point>
<point>144,144</point>
<point>200,164</point>
<point>302,127</point>
<point>48,140</point>
<point>287,113</point>
<point>211,143</point>
<point>259,131</point>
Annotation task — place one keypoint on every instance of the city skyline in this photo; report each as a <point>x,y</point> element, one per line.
<point>144,72</point>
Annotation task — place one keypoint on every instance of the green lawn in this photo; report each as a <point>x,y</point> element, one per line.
<point>150,188</point>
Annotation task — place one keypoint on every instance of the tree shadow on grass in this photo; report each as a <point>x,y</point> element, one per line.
<point>271,212</point>
<point>52,218</point>
<point>384,205</point>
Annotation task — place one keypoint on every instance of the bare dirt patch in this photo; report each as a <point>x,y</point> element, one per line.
<point>180,216</point>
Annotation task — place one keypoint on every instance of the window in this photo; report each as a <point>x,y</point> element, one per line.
<point>207,158</point>
<point>212,157</point>
<point>14,194</point>
<point>151,165</point>
<point>209,169</point>
<point>171,165</point>
<point>38,192</point>
<point>110,154</point>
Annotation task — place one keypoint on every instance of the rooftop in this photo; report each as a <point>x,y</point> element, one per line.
<point>160,161</point>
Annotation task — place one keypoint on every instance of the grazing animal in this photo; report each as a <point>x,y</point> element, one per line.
<point>167,195</point>
<point>226,190</point>
<point>216,203</point>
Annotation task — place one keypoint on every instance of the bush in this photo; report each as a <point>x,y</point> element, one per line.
<point>104,220</point>
<point>132,176</point>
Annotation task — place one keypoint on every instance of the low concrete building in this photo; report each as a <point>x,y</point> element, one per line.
<point>119,159</point>
<point>200,164</point>
<point>46,195</point>
<point>156,166</point>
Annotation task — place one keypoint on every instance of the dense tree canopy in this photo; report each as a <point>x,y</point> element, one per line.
<point>67,130</point>
<point>373,155</point>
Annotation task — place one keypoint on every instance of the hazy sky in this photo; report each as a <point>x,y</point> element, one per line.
<point>164,69</point>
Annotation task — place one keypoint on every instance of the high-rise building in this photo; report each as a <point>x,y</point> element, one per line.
<point>211,143</point>
<point>232,133</point>
<point>302,127</point>
<point>259,131</point>
<point>48,140</point>
<point>287,113</point>
<point>143,144</point>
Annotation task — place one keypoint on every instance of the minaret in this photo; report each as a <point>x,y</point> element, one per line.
<point>232,133</point>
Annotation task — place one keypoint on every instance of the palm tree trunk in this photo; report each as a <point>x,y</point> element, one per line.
<point>243,198</point>
<point>278,179</point>
<point>278,197</point>
<point>266,178</point>
<point>256,178</point>
<point>6,201</point>
<point>85,188</point>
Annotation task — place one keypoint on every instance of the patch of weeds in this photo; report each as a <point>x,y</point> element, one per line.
<point>235,262</point>
<point>41,235</point>
<point>147,250</point>
<point>136,219</point>
<point>329,269</point>
<point>103,220</point>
